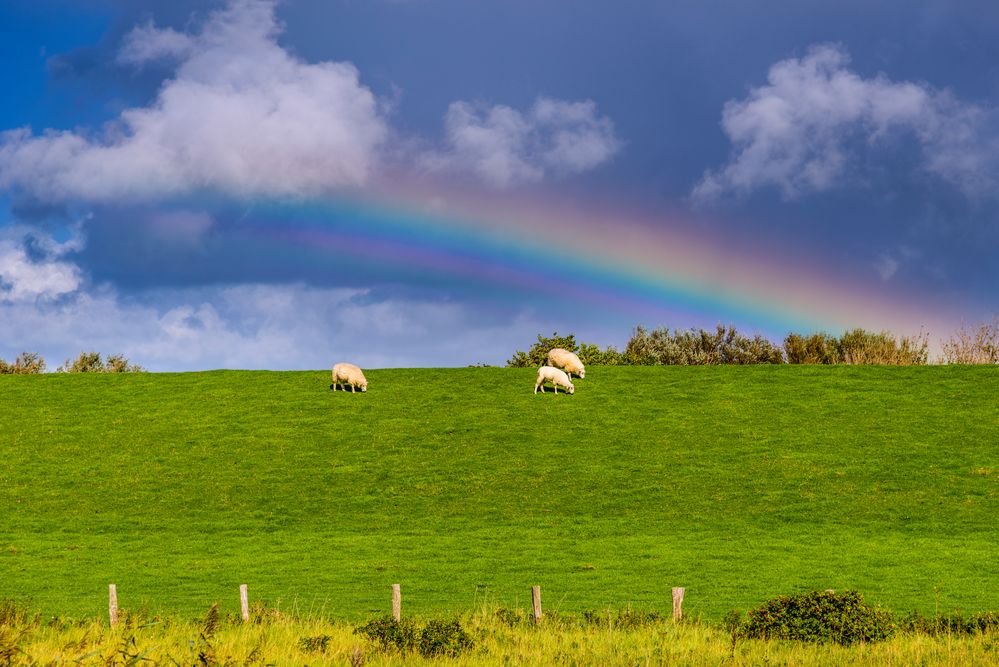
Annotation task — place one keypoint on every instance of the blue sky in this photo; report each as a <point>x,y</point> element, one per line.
<point>145,142</point>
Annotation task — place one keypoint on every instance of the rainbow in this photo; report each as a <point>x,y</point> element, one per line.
<point>647,268</point>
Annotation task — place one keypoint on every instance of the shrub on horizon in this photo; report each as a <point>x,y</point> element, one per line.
<point>858,347</point>
<point>90,362</point>
<point>974,345</point>
<point>26,363</point>
<point>699,347</point>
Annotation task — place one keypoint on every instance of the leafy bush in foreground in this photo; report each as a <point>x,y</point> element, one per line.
<point>444,638</point>
<point>389,633</point>
<point>437,637</point>
<point>819,616</point>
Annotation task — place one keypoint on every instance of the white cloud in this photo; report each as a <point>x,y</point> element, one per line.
<point>147,43</point>
<point>259,327</point>
<point>804,130</point>
<point>503,146</point>
<point>27,279</point>
<point>241,115</point>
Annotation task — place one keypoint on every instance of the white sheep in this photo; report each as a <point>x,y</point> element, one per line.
<point>567,361</point>
<point>557,377</point>
<point>348,374</point>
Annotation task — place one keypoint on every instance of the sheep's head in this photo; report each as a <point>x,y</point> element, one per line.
<point>364,386</point>
<point>582,373</point>
<point>572,389</point>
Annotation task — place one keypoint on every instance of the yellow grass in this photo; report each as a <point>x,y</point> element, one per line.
<point>277,641</point>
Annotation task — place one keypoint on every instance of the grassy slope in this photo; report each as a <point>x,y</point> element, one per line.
<point>738,483</point>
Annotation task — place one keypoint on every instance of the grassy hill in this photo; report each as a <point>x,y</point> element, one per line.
<point>736,482</point>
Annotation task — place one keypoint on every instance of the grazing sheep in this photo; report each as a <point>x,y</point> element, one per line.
<point>556,377</point>
<point>567,361</point>
<point>348,374</point>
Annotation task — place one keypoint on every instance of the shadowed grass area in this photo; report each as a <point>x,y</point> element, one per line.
<point>738,483</point>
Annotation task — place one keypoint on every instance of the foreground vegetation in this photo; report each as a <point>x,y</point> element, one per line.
<point>738,483</point>
<point>605,638</point>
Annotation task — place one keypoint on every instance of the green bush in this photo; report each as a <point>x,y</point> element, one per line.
<point>538,354</point>
<point>592,355</point>
<point>819,616</point>
<point>444,638</point>
<point>390,634</point>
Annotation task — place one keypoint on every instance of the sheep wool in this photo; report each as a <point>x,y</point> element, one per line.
<point>567,361</point>
<point>348,374</point>
<point>557,377</point>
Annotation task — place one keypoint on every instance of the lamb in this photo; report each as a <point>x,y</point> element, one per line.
<point>557,377</point>
<point>567,361</point>
<point>348,374</point>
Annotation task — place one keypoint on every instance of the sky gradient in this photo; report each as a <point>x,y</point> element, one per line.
<point>257,184</point>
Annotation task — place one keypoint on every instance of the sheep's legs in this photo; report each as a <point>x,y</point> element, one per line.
<point>353,389</point>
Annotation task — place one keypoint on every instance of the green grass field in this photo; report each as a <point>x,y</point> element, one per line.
<point>737,483</point>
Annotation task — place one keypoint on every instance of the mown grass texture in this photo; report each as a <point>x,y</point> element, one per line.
<point>738,483</point>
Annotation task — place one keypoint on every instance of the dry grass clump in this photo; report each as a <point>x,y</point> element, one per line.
<point>977,344</point>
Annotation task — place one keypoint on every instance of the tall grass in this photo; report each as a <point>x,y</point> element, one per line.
<point>288,640</point>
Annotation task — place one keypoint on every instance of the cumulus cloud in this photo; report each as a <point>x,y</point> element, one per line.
<point>33,268</point>
<point>504,147</point>
<point>241,115</point>
<point>815,119</point>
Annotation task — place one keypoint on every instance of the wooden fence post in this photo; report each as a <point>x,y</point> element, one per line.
<point>536,602</point>
<point>244,602</point>
<point>113,604</point>
<point>678,603</point>
<point>396,602</point>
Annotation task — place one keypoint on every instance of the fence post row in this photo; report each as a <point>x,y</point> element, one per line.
<point>244,603</point>
<point>113,604</point>
<point>396,602</point>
